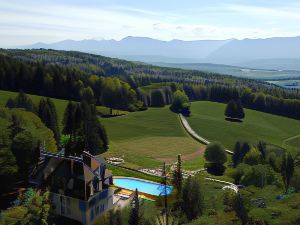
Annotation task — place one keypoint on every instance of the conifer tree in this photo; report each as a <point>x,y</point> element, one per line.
<point>177,176</point>
<point>134,216</point>
<point>287,169</point>
<point>48,115</point>
<point>236,157</point>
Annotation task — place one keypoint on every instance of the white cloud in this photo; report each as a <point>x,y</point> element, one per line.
<point>31,22</point>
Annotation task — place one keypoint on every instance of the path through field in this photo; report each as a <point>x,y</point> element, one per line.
<point>185,157</point>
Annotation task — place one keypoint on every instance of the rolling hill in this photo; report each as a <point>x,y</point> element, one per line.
<point>281,53</point>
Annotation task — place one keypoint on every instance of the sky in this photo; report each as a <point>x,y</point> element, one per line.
<point>24,22</point>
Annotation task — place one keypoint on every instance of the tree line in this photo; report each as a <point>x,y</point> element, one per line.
<point>65,83</point>
<point>248,98</point>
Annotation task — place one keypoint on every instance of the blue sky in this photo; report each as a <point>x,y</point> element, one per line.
<point>26,22</point>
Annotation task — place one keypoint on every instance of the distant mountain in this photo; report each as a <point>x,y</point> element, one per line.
<point>141,48</point>
<point>271,53</point>
<point>239,51</point>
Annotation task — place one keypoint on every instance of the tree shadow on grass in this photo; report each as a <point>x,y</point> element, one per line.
<point>215,169</point>
<point>235,120</point>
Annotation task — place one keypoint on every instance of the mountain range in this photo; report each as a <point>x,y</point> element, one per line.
<point>281,53</point>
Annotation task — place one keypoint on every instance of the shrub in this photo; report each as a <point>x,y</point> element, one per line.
<point>253,157</point>
<point>215,153</point>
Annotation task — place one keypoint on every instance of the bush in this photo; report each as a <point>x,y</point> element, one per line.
<point>253,157</point>
<point>259,176</point>
<point>234,109</point>
<point>180,103</point>
<point>215,153</point>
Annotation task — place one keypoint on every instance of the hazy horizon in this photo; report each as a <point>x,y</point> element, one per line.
<point>27,22</point>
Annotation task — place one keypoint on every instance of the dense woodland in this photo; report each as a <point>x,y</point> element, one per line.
<point>120,84</point>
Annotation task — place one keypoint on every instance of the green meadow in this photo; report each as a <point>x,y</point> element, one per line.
<point>207,119</point>
<point>147,138</point>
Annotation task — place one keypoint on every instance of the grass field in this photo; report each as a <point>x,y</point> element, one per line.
<point>59,104</point>
<point>143,138</point>
<point>207,120</point>
<point>293,142</point>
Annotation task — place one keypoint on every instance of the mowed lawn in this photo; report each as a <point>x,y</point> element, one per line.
<point>207,120</point>
<point>144,138</point>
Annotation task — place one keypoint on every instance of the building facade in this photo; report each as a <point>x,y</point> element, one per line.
<point>80,187</point>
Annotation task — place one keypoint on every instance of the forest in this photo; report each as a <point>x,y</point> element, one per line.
<point>120,84</point>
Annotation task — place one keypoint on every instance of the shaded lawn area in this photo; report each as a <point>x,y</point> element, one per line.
<point>207,119</point>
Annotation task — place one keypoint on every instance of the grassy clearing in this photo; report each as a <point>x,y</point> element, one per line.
<point>143,137</point>
<point>207,120</point>
<point>59,103</point>
<point>293,142</point>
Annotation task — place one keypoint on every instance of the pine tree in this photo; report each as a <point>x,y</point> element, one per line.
<point>54,120</point>
<point>68,120</point>
<point>261,146</point>
<point>240,209</point>
<point>48,115</point>
<point>236,157</point>
<point>287,169</point>
<point>177,176</point>
<point>84,128</point>
<point>134,216</point>
<point>192,196</point>
<point>23,101</point>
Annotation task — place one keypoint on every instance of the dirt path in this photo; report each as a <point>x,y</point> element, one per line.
<point>185,157</point>
<point>193,134</point>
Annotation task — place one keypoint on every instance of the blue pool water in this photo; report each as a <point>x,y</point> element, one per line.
<point>143,186</point>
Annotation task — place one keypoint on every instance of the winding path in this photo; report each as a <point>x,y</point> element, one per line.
<point>193,134</point>
<point>229,185</point>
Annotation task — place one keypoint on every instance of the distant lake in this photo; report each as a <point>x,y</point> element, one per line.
<point>286,83</point>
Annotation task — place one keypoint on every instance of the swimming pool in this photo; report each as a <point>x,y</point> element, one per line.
<point>144,186</point>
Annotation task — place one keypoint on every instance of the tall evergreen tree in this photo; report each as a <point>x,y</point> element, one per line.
<point>236,157</point>
<point>261,147</point>
<point>134,216</point>
<point>287,169</point>
<point>84,128</point>
<point>240,209</point>
<point>192,199</point>
<point>177,176</point>
<point>47,113</point>
<point>21,101</point>
<point>68,120</point>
